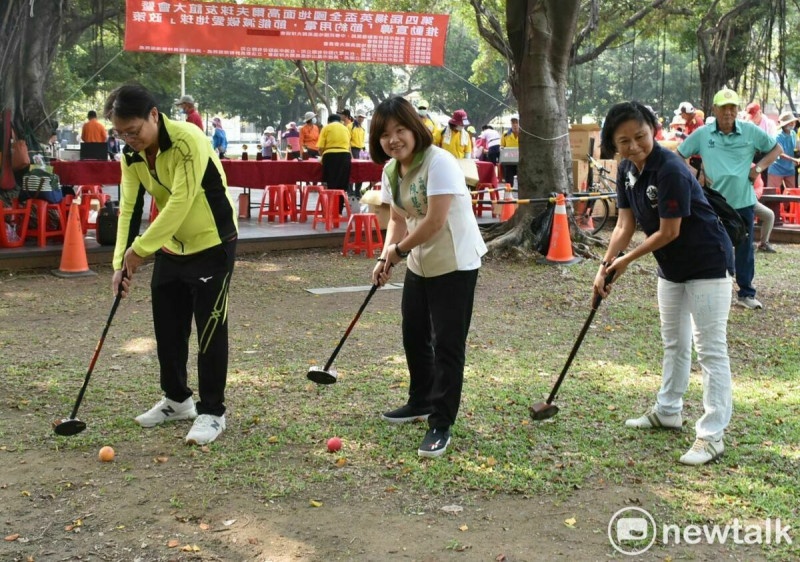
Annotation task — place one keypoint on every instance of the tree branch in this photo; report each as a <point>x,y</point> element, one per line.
<point>576,59</point>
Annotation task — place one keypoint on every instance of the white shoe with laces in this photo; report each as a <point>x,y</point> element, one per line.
<point>654,420</point>
<point>749,302</point>
<point>167,410</point>
<point>703,451</point>
<point>206,429</point>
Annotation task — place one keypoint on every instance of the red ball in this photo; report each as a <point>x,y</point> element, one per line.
<point>334,444</point>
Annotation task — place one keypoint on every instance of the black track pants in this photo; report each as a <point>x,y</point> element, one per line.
<point>436,316</point>
<point>193,286</point>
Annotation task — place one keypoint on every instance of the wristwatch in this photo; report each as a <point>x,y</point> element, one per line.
<point>400,252</point>
<point>759,169</point>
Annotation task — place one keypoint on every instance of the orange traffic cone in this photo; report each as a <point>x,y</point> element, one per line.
<point>560,250</point>
<point>73,256</point>
<point>507,209</point>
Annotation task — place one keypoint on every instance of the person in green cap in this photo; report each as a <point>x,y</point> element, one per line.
<point>727,148</point>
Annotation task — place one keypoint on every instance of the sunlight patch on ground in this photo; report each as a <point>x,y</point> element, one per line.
<point>140,345</point>
<point>269,268</point>
<point>22,295</point>
<point>292,278</point>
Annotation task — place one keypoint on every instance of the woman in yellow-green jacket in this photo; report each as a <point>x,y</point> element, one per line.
<point>193,239</point>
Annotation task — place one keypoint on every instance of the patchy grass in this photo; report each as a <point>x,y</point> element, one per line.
<point>526,319</point>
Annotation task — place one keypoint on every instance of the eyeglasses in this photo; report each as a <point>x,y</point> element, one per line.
<point>126,136</point>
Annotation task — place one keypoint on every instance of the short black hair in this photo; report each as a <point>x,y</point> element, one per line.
<point>399,109</point>
<point>334,118</point>
<point>129,101</point>
<point>92,114</point>
<point>619,114</point>
<point>345,112</point>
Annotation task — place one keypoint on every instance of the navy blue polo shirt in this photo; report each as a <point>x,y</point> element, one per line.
<point>666,188</point>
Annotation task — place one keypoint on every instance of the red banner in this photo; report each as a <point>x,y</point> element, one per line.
<point>236,30</point>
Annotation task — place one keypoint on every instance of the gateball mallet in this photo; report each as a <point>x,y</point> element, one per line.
<point>326,375</point>
<point>72,425</point>
<point>546,410</point>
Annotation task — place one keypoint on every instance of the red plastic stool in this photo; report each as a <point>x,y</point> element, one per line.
<point>42,232</point>
<point>86,208</point>
<point>327,210</point>
<point>790,212</point>
<point>281,203</point>
<point>93,189</point>
<point>306,191</point>
<point>17,216</point>
<point>481,204</point>
<point>363,226</point>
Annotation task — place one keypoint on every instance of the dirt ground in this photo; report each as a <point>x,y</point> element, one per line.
<point>61,503</point>
<point>99,515</point>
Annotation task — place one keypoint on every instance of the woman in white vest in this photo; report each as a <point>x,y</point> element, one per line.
<point>431,224</point>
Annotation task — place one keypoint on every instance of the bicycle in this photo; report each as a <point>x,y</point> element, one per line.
<point>592,208</point>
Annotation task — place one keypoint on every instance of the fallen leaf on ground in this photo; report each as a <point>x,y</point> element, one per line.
<point>341,462</point>
<point>252,540</point>
<point>570,522</point>
<point>162,459</point>
<point>229,522</point>
<point>13,537</point>
<point>173,543</point>
<point>452,508</point>
<point>272,439</point>
<point>463,528</point>
<point>315,503</point>
<point>205,526</point>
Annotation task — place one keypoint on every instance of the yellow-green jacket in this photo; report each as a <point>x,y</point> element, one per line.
<point>196,210</point>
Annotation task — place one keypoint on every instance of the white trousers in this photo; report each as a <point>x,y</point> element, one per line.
<point>696,311</point>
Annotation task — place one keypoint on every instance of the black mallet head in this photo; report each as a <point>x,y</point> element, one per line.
<point>68,426</point>
<point>543,411</point>
<point>321,376</point>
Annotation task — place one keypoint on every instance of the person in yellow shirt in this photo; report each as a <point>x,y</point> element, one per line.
<point>422,111</point>
<point>510,139</point>
<point>309,133</point>
<point>454,139</point>
<point>334,145</point>
<point>357,135</point>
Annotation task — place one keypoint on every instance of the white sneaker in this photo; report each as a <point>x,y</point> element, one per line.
<point>654,420</point>
<point>703,451</point>
<point>206,429</point>
<point>749,302</point>
<point>168,410</point>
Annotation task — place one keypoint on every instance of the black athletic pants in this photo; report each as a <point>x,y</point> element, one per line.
<point>183,287</point>
<point>336,172</point>
<point>436,317</point>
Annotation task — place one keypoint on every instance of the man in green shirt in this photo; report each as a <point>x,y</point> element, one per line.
<point>727,148</point>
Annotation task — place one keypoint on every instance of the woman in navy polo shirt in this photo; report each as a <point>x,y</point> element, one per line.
<point>657,190</point>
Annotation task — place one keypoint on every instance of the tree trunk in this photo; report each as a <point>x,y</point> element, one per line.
<point>540,35</point>
<point>31,48</point>
<point>724,47</point>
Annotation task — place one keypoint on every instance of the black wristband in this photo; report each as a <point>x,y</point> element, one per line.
<point>382,259</point>
<point>400,252</point>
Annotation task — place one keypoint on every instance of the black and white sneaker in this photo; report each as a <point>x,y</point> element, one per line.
<point>406,413</point>
<point>435,443</point>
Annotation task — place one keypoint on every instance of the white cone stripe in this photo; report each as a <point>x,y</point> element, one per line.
<point>561,210</point>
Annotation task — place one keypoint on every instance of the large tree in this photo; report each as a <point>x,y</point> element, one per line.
<point>538,43</point>
<point>32,32</point>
